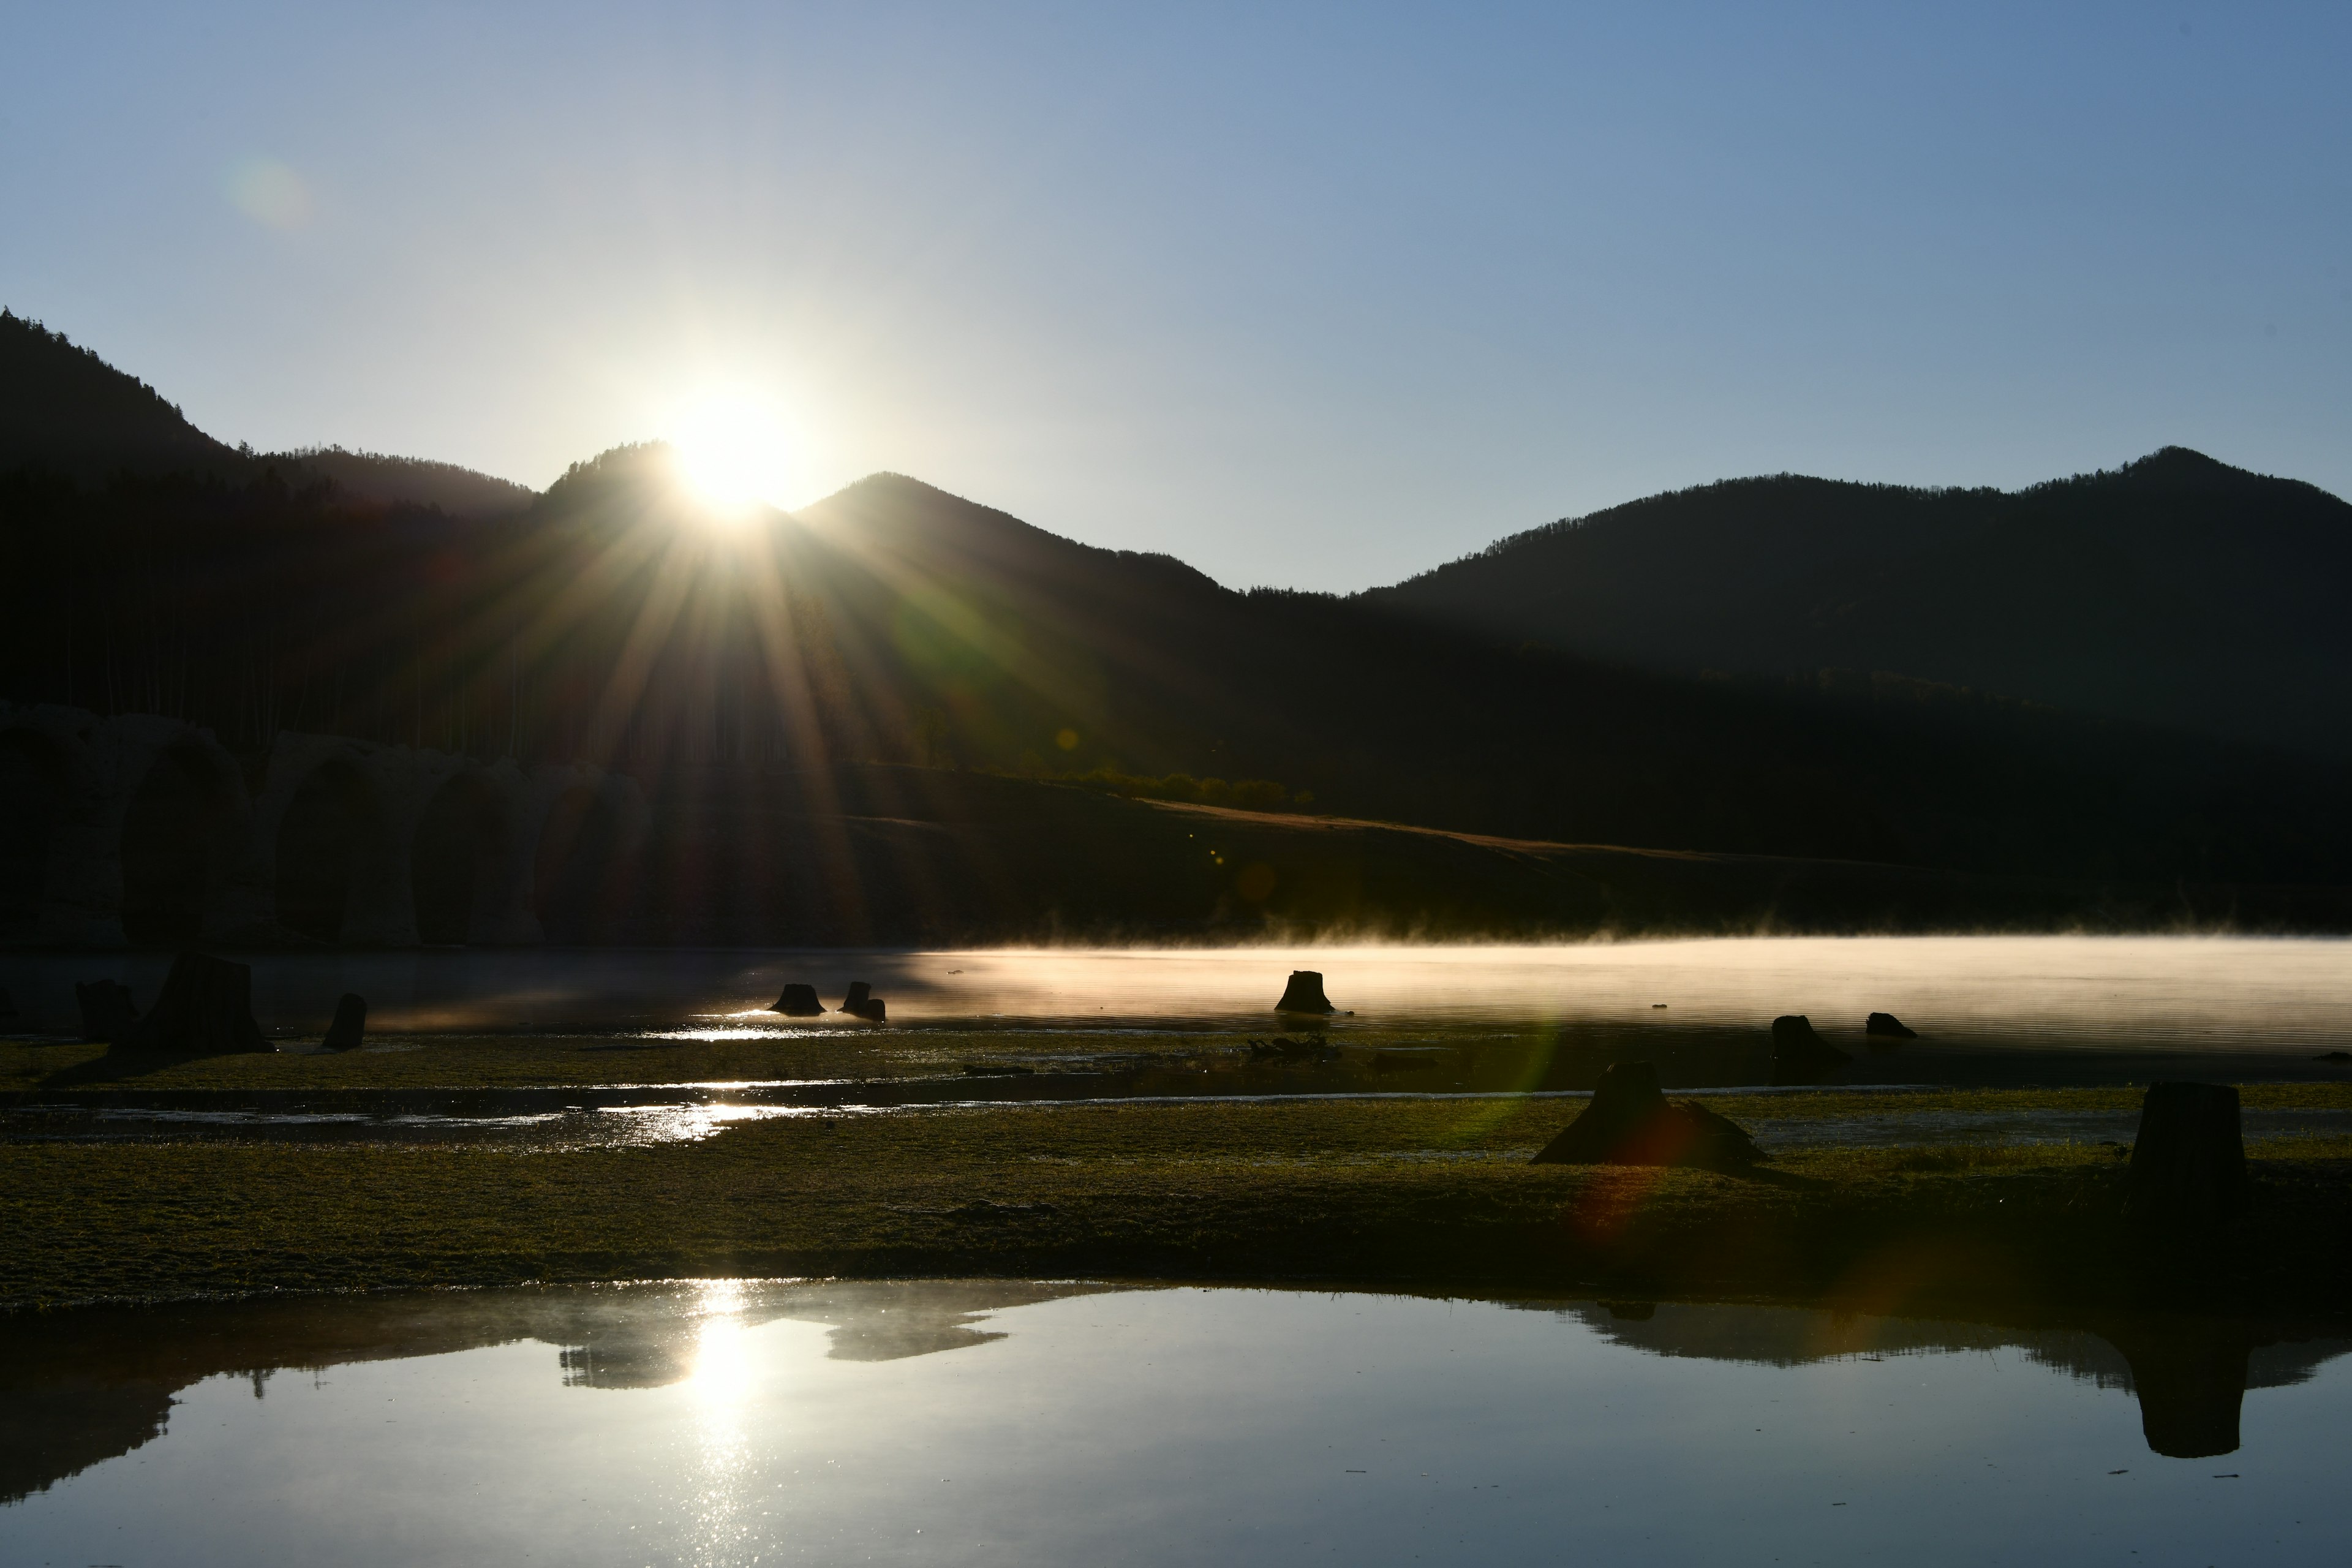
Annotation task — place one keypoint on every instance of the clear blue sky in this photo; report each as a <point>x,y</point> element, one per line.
<point>1312,296</point>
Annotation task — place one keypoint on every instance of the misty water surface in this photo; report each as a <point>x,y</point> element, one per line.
<point>2162,993</point>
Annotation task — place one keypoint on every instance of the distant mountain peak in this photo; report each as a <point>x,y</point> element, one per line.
<point>2183,465</point>
<point>2175,589</point>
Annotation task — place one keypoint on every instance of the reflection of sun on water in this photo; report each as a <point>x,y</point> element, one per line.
<point>721,1364</point>
<point>719,1530</point>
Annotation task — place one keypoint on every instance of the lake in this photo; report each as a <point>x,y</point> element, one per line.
<point>1988,1010</point>
<point>983,1422</point>
<point>2166,991</point>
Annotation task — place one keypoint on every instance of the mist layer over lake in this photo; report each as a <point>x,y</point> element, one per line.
<point>1007,1422</point>
<point>2199,993</point>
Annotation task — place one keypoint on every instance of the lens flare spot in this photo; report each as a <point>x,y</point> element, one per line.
<point>269,192</point>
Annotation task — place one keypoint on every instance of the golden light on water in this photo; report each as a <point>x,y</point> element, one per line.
<point>722,1366</point>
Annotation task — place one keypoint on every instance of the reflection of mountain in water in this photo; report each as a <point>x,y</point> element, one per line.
<point>630,1343</point>
<point>2189,1374</point>
<point>79,1388</point>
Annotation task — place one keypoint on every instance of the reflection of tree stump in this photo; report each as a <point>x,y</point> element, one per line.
<point>2188,1164</point>
<point>798,1002</point>
<point>206,1009</point>
<point>106,1013</point>
<point>2190,1377</point>
<point>350,1026</point>
<point>1630,1122</point>
<point>1304,994</point>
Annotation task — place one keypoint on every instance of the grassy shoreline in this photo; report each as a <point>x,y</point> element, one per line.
<point>1418,1193</point>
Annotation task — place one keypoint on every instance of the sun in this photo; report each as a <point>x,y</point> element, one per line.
<point>731,450</point>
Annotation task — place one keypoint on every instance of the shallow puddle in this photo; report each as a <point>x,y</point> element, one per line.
<point>1004,1422</point>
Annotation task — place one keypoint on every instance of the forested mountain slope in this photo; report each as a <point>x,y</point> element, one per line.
<point>2173,591</point>
<point>616,619</point>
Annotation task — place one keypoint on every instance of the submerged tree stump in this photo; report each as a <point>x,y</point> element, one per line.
<point>1795,1044</point>
<point>2189,1163</point>
<point>799,1002</point>
<point>1305,994</point>
<point>1886,1025</point>
<point>350,1026</point>
<point>206,1009</point>
<point>106,1013</point>
<point>1630,1122</point>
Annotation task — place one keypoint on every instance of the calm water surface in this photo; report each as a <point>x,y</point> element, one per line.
<point>1001,1422</point>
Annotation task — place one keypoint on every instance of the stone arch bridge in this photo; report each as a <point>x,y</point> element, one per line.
<point>137,831</point>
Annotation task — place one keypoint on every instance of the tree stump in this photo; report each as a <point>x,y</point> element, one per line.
<point>1630,1122</point>
<point>799,1002</point>
<point>1794,1044</point>
<point>106,1013</point>
<point>855,1004</point>
<point>2189,1163</point>
<point>206,1009</point>
<point>350,1026</point>
<point>1305,994</point>
<point>1887,1026</point>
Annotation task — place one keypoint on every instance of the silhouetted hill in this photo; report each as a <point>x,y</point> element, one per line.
<point>615,619</point>
<point>2175,590</point>
<point>410,482</point>
<point>67,409</point>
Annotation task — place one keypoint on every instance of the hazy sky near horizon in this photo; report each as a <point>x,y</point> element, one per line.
<point>1314,296</point>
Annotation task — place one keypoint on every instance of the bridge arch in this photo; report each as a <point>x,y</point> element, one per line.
<point>590,826</point>
<point>180,838</point>
<point>36,783</point>
<point>458,860</point>
<point>332,854</point>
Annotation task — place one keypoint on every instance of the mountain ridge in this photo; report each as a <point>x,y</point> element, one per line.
<point>2174,590</point>
<point>614,619</point>
<point>66,410</point>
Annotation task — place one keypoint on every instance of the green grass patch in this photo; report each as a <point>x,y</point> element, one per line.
<point>1429,1193</point>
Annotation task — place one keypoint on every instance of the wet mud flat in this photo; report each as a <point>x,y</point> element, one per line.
<point>1407,1188</point>
<point>1357,1150</point>
<point>561,1119</point>
<point>552,1092</point>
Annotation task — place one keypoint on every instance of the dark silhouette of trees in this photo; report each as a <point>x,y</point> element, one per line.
<point>2175,590</point>
<point>611,620</point>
